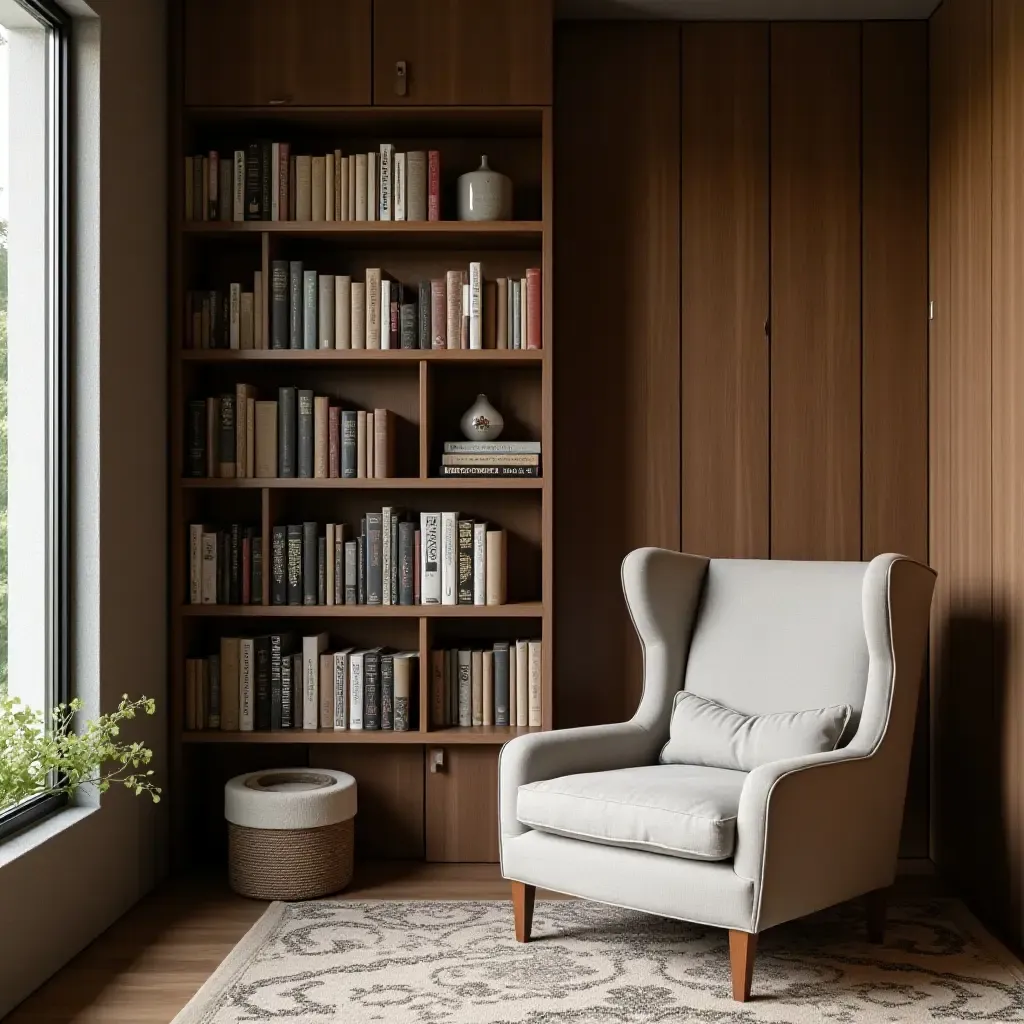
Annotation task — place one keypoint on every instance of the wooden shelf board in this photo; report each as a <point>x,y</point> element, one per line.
<point>501,357</point>
<point>521,610</point>
<point>398,483</point>
<point>479,735</point>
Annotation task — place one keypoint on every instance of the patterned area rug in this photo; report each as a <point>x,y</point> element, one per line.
<point>427,962</point>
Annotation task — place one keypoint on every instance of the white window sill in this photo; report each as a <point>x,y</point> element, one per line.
<point>42,831</point>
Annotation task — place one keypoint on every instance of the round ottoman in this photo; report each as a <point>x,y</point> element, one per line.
<point>290,832</point>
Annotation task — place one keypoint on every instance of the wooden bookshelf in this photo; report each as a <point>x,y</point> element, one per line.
<point>429,390</point>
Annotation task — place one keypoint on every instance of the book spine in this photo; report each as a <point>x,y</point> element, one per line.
<point>497,459</point>
<point>318,188</point>
<point>465,688</point>
<point>312,647</point>
<point>213,171</point>
<point>287,400</point>
<point>189,211</point>
<point>492,447</point>
<point>416,185</point>
<point>355,686</point>
<point>522,682</point>
<point>438,315</point>
<point>409,326</point>
<point>501,301</point>
<point>361,568</point>
<point>321,570</point>
<point>423,316</point>
<point>339,563</point>
<point>325,288</point>
<point>385,183</point>
<point>340,690</point>
<point>230,672</point>
<point>309,309</point>
<point>517,320</point>
<point>382,444</point>
<point>477,470</point>
<point>256,590</point>
<point>479,563</point>
<point>494,582</point>
<point>385,313</point>
<point>400,185</point>
<point>309,564</point>
<point>240,431</point>
<point>374,559</point>
<point>209,568</point>
<point>235,579</point>
<point>534,328</point>
<point>371,690</point>
<point>373,307</point>
<point>489,314</point>
<point>303,188</point>
<point>464,333</point>
<point>361,183</point>
<point>294,565</point>
<point>279,565</point>
<point>246,685</point>
<point>226,439</point>
<point>449,557</point>
<point>349,463</point>
<point>477,679</point>
<point>245,320</point>
<point>358,329</point>
<point>501,683</point>
<point>351,569</point>
<point>287,689</point>
<point>476,301</point>
<point>321,437</point>
<point>295,304</point>
<point>387,692</point>
<point>403,687</point>
<point>385,542</point>
<point>326,687</point>
<point>262,645</point>
<point>283,164</point>
<point>487,715</point>
<point>453,288</point>
<point>406,545</point>
<point>195,562</point>
<point>196,444</point>
<point>343,311</point>
<point>213,682</point>
<point>275,181</point>
<point>346,213</point>
<point>279,304</point>
<point>238,179</point>
<point>225,190</point>
<point>334,442</point>
<point>246,581</point>
<point>465,584</point>
<point>305,434</point>
<point>372,187</point>
<point>434,185</point>
<point>534,683</point>
<point>253,189</point>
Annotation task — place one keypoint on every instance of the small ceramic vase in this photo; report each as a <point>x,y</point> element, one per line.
<point>485,194</point>
<point>481,421</point>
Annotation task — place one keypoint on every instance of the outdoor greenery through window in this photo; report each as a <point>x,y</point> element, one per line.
<point>33,494</point>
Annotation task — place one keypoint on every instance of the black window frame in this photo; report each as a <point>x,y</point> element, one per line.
<point>54,18</point>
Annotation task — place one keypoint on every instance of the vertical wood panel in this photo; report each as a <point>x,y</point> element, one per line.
<point>616,380</point>
<point>725,289</point>
<point>894,463</point>
<point>1008,428</point>
<point>816,266</point>
<point>462,806</point>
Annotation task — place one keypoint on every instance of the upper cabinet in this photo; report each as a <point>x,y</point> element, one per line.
<point>268,52</point>
<point>462,52</point>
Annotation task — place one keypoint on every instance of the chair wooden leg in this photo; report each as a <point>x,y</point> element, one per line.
<point>874,907</point>
<point>522,907</point>
<point>742,950</point>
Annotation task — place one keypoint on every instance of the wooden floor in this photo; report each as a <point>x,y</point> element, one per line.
<point>148,965</point>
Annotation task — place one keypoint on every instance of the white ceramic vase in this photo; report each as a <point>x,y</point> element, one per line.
<point>485,194</point>
<point>481,421</point>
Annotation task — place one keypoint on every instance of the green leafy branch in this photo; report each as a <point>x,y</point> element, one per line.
<point>35,761</point>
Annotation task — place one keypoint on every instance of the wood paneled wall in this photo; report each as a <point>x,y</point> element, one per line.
<point>741,250</point>
<point>977,453</point>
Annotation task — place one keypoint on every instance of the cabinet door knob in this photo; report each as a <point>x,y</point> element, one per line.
<point>401,78</point>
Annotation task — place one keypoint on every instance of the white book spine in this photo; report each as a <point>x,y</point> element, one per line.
<point>449,557</point>
<point>476,306</point>
<point>385,543</point>
<point>246,680</point>
<point>479,563</point>
<point>465,688</point>
<point>275,180</point>
<point>522,682</point>
<point>372,188</point>
<point>195,563</point>
<point>312,647</point>
<point>235,315</point>
<point>358,330</point>
<point>385,314</point>
<point>209,594</point>
<point>384,173</point>
<point>430,550</point>
<point>355,690</point>
<point>534,676</point>
<point>399,186</point>
<point>329,567</point>
<point>238,186</point>
<point>341,689</point>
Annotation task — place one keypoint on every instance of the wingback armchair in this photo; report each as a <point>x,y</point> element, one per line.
<point>591,812</point>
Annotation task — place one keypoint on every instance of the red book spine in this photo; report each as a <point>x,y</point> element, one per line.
<point>434,187</point>
<point>246,570</point>
<point>416,570</point>
<point>534,331</point>
<point>438,315</point>
<point>282,180</point>
<point>334,441</point>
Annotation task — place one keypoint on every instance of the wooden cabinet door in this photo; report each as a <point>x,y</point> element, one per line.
<point>262,52</point>
<point>462,805</point>
<point>463,52</point>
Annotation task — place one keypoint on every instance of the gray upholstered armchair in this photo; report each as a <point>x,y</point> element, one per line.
<point>591,812</point>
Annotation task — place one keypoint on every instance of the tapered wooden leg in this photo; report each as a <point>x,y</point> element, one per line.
<point>742,950</point>
<point>874,907</point>
<point>522,907</point>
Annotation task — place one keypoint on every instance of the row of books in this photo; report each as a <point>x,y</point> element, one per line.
<point>490,458</point>
<point>225,565</point>
<point>311,311</point>
<point>497,686</point>
<point>266,181</point>
<point>301,435</point>
<point>280,682</point>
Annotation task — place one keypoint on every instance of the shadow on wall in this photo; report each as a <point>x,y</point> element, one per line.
<point>972,833</point>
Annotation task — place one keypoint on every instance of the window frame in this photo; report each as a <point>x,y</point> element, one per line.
<point>54,18</point>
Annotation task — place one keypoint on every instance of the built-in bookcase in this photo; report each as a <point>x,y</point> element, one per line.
<point>427,390</point>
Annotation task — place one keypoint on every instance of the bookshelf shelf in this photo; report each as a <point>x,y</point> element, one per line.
<point>493,735</point>
<point>397,483</point>
<point>375,357</point>
<point>521,610</point>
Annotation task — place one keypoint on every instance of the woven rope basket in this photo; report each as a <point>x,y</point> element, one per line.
<point>300,864</point>
<point>291,833</point>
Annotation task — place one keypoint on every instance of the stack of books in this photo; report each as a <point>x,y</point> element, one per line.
<point>225,566</point>
<point>265,181</point>
<point>491,458</point>
<point>301,435</point>
<point>279,681</point>
<point>497,686</point>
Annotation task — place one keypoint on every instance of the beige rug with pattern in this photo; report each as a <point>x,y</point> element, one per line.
<point>422,962</point>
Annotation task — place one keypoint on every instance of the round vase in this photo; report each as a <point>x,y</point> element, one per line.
<point>481,421</point>
<point>485,194</point>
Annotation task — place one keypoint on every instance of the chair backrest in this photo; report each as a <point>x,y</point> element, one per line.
<point>781,636</point>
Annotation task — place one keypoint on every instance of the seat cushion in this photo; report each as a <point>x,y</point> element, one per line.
<point>674,809</point>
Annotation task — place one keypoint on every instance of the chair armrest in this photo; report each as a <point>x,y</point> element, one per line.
<point>548,755</point>
<point>813,831</point>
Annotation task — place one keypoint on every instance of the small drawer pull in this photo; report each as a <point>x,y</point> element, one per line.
<point>401,78</point>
